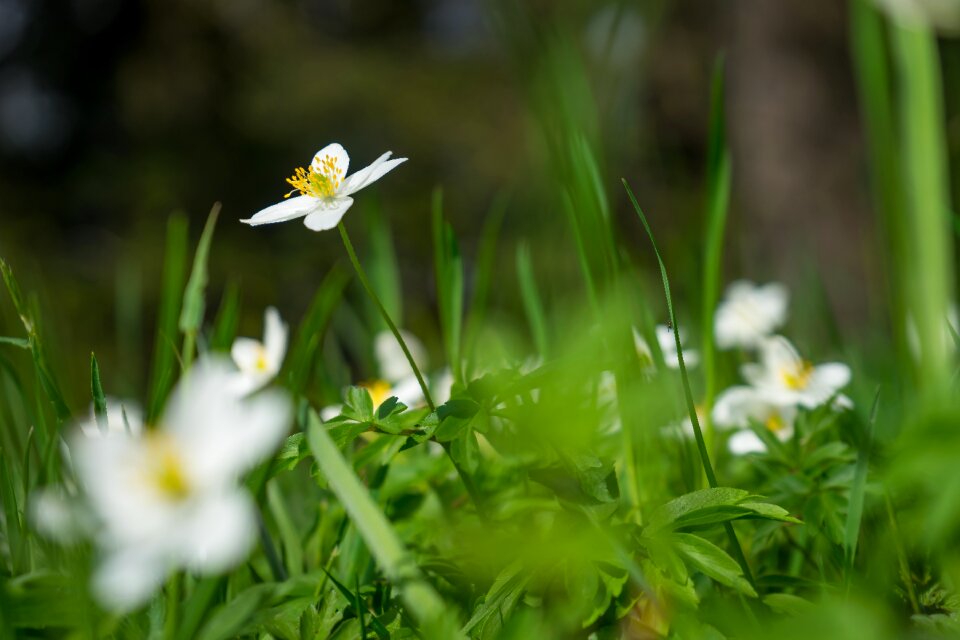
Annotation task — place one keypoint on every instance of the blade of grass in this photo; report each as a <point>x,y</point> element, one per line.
<point>858,493</point>
<point>930,266</point>
<point>483,275</point>
<point>423,602</point>
<point>194,304</point>
<point>532,305</point>
<point>227,319</point>
<point>448,267</point>
<point>382,267</point>
<point>164,354</point>
<point>687,393</point>
<point>718,200</point>
<point>96,392</point>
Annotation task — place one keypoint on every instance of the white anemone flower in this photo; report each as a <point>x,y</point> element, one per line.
<point>122,416</point>
<point>749,314</point>
<point>396,376</point>
<point>668,347</point>
<point>259,362</point>
<point>170,498</point>
<point>738,407</point>
<point>324,189</point>
<point>784,378</point>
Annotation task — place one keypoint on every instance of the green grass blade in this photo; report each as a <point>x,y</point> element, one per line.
<point>227,320</point>
<point>687,393</point>
<point>382,268</point>
<point>718,200</point>
<point>309,335</point>
<point>449,274</point>
<point>858,491</point>
<point>16,342</point>
<point>164,350</point>
<point>423,602</point>
<point>96,392</point>
<point>532,305</point>
<point>194,303</point>
<point>483,275</point>
<point>930,267</point>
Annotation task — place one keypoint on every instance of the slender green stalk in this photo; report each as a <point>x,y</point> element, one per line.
<point>386,316</point>
<point>718,200</point>
<point>464,476</point>
<point>687,393</point>
<point>930,261</point>
<point>902,559</point>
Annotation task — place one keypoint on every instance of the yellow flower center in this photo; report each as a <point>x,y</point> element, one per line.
<point>261,364</point>
<point>775,423</point>
<point>320,181</point>
<point>797,377</point>
<point>379,391</point>
<point>164,468</point>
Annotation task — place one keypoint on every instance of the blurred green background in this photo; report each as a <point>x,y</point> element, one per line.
<point>114,114</point>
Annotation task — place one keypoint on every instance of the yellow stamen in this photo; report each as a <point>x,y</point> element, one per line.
<point>797,377</point>
<point>775,423</point>
<point>379,391</point>
<point>321,181</point>
<point>164,468</point>
<point>261,364</point>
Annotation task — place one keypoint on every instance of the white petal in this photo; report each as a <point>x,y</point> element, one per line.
<point>408,392</point>
<point>833,375</point>
<point>336,153</point>
<point>274,338</point>
<point>127,578</point>
<point>746,441</point>
<point>392,363</point>
<point>732,407</point>
<point>368,175</point>
<point>287,209</point>
<point>780,355</point>
<point>220,533</point>
<point>330,412</point>
<point>329,216</point>
<point>246,353</point>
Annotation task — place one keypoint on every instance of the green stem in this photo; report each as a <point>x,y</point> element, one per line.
<point>383,312</point>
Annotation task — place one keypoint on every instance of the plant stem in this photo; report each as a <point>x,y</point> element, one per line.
<point>173,606</point>
<point>383,312</point>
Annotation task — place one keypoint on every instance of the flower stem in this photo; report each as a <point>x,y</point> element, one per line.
<point>386,316</point>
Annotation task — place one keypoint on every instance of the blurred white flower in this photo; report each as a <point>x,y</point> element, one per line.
<point>122,416</point>
<point>58,516</point>
<point>396,375</point>
<point>668,347</point>
<point>782,377</point>
<point>324,190</point>
<point>749,313</point>
<point>169,498</point>
<point>738,407</point>
<point>259,362</point>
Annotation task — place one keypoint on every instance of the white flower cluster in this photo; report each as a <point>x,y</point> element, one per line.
<point>781,382</point>
<point>168,497</point>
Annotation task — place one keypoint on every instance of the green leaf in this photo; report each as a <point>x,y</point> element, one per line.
<point>787,604</point>
<point>358,405</point>
<point>500,599</point>
<point>228,619</point>
<point>709,507</point>
<point>712,561</point>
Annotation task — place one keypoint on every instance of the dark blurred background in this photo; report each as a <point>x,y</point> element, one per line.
<point>114,113</point>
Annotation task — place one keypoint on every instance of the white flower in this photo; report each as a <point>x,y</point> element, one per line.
<point>259,362</point>
<point>122,416</point>
<point>169,498</point>
<point>749,313</point>
<point>324,190</point>
<point>784,378</point>
<point>668,347</point>
<point>392,363</point>
<point>738,407</point>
